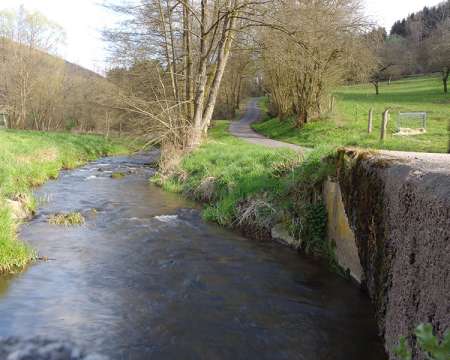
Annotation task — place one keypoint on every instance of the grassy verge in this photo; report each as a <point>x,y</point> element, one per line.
<point>28,159</point>
<point>348,125</point>
<point>253,188</point>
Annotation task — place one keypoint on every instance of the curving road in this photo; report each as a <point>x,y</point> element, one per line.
<point>242,129</point>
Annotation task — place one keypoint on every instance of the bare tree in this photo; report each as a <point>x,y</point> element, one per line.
<point>25,36</point>
<point>439,44</point>
<point>192,41</point>
<point>301,66</point>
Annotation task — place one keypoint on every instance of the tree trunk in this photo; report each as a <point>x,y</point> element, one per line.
<point>302,119</point>
<point>196,132</point>
<point>377,88</point>
<point>188,62</point>
<point>445,76</point>
<point>170,62</point>
<point>224,53</point>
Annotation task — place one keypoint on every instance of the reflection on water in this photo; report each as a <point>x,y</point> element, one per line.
<point>146,278</point>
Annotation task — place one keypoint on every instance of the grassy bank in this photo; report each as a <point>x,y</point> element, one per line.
<point>253,188</point>
<point>348,124</point>
<point>28,159</point>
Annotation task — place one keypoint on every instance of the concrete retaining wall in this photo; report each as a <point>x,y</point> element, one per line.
<point>393,210</point>
<point>339,231</point>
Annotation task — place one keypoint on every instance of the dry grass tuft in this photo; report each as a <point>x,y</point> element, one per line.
<point>286,166</point>
<point>206,190</point>
<point>70,219</point>
<point>257,211</point>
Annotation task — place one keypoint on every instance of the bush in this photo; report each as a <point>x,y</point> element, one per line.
<point>429,344</point>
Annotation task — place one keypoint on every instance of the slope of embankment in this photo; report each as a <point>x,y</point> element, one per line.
<point>391,210</point>
<point>28,159</point>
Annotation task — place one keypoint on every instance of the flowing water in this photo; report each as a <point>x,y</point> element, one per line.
<point>147,278</point>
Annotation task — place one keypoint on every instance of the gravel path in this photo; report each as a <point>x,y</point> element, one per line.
<point>242,129</point>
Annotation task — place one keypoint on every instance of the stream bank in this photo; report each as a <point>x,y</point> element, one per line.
<point>28,159</point>
<point>379,217</point>
<point>387,216</point>
<point>128,282</point>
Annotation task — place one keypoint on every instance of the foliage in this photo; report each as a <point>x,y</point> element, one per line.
<point>308,213</point>
<point>428,343</point>
<point>28,159</point>
<point>323,46</point>
<point>254,187</point>
<point>402,351</point>
<point>348,125</point>
<point>421,44</point>
<point>191,44</point>
<point>13,254</point>
<point>41,91</point>
<point>429,17</point>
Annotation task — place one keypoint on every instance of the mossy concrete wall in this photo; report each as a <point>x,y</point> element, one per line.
<point>339,231</point>
<point>398,207</point>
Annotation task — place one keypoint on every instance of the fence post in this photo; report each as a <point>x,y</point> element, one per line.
<point>332,103</point>
<point>370,124</point>
<point>384,124</point>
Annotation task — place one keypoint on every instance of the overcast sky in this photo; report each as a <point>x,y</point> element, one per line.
<point>83,20</point>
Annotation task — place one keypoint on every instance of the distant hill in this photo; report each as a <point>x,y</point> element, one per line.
<point>74,69</point>
<point>424,21</point>
<point>42,91</point>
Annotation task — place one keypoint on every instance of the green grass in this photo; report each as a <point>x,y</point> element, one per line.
<point>237,169</point>
<point>248,185</point>
<point>28,159</point>
<point>348,125</point>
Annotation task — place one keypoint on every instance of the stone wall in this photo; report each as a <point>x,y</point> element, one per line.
<point>398,207</point>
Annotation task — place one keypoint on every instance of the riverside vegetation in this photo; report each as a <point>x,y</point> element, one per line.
<point>253,188</point>
<point>347,125</point>
<point>28,159</point>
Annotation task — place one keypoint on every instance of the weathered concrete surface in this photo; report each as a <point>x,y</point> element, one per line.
<point>339,231</point>
<point>42,349</point>
<point>398,205</point>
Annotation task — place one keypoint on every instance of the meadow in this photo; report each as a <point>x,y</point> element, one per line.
<point>28,159</point>
<point>347,125</point>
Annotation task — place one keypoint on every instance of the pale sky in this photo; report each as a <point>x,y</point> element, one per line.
<point>83,20</point>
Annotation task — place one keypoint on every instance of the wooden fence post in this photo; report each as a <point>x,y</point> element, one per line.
<point>332,103</point>
<point>370,124</point>
<point>384,124</point>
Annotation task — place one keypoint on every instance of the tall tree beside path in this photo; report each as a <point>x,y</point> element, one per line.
<point>192,41</point>
<point>300,67</point>
<point>440,51</point>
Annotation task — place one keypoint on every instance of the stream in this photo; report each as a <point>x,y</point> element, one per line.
<point>147,278</point>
